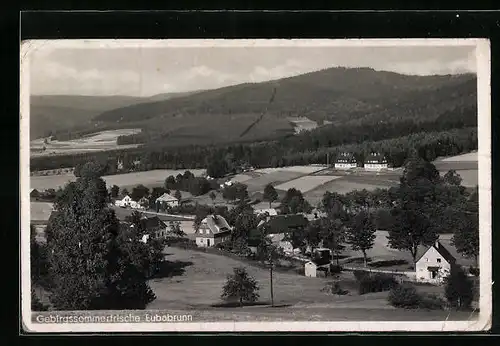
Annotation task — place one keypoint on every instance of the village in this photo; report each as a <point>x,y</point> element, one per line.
<point>187,226</point>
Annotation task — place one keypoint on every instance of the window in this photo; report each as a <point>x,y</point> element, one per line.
<point>439,260</point>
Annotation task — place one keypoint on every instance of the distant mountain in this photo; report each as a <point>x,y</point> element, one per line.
<point>244,113</point>
<point>52,113</point>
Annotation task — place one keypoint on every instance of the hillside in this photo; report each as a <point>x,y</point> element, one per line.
<point>336,95</point>
<point>55,113</point>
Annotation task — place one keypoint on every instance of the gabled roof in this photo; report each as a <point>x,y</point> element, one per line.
<point>152,222</point>
<point>216,223</point>
<point>442,251</point>
<point>285,223</point>
<point>166,198</point>
<point>345,158</point>
<point>269,211</point>
<point>375,158</point>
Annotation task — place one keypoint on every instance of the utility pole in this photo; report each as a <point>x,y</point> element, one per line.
<point>271,275</point>
<point>327,159</point>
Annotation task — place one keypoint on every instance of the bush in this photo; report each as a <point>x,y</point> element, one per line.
<point>404,296</point>
<point>335,269</point>
<point>376,283</point>
<point>359,275</point>
<point>474,271</point>
<point>334,288</point>
<point>431,302</point>
<point>459,289</point>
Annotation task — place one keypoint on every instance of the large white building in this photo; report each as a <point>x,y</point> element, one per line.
<point>345,161</point>
<point>375,162</point>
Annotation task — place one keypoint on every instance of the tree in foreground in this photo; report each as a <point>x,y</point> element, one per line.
<point>94,264</point>
<point>466,233</point>
<point>459,290</point>
<point>114,191</point>
<point>241,287</point>
<point>361,234</point>
<point>270,194</point>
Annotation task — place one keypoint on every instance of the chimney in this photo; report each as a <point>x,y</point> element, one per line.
<point>436,243</point>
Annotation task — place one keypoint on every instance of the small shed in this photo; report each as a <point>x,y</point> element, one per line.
<point>310,269</point>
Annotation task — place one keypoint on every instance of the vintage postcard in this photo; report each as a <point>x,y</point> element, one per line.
<point>256,185</point>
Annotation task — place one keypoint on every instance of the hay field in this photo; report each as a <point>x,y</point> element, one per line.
<point>127,180</point>
<point>306,183</point>
<point>104,140</point>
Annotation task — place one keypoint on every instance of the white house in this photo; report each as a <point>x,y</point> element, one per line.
<point>345,161</point>
<point>125,202</point>
<point>214,229</point>
<point>167,200</point>
<point>435,264</point>
<point>375,162</point>
<point>268,211</point>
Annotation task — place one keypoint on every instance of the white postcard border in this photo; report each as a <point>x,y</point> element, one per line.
<point>484,177</point>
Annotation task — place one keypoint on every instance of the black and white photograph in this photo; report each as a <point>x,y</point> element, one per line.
<point>255,185</point>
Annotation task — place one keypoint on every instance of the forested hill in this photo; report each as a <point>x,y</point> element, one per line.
<point>335,94</point>
<point>54,113</point>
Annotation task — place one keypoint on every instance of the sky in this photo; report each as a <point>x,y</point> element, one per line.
<point>155,70</point>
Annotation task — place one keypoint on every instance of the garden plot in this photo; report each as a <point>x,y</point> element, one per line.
<point>240,178</point>
<point>307,183</point>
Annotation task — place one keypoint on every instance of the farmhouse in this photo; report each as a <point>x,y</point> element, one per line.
<point>153,227</point>
<point>214,229</point>
<point>268,212</point>
<point>125,202</point>
<point>375,162</point>
<point>34,193</point>
<point>435,264</point>
<point>346,161</point>
<point>280,226</point>
<point>167,201</point>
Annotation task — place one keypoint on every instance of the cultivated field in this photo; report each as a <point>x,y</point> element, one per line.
<point>297,169</point>
<point>306,183</point>
<point>198,277</point>
<point>127,180</point>
<point>105,140</point>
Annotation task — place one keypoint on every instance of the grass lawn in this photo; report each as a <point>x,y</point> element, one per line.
<point>198,278</point>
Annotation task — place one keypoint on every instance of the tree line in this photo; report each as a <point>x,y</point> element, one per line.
<point>220,160</point>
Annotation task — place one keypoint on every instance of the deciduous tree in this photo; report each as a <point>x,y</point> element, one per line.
<point>361,234</point>
<point>240,286</point>
<point>270,194</point>
<point>93,264</point>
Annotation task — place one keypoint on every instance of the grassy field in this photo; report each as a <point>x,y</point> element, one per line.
<point>198,277</point>
<point>127,180</point>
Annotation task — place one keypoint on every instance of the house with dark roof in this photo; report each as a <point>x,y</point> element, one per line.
<point>345,161</point>
<point>434,264</point>
<point>279,226</point>
<point>214,229</point>
<point>375,162</point>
